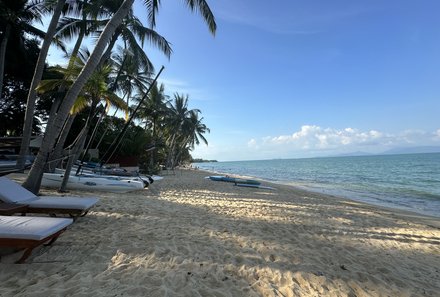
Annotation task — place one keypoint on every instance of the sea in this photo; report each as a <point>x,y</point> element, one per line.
<point>409,182</point>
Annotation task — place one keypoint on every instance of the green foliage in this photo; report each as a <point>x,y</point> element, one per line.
<point>16,87</point>
<point>134,141</point>
<point>163,132</point>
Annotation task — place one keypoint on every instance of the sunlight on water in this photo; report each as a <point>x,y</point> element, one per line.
<point>410,182</point>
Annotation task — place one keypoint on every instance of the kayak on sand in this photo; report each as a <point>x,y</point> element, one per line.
<point>233,180</point>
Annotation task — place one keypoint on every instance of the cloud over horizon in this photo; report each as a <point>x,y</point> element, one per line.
<point>316,138</point>
<point>316,141</point>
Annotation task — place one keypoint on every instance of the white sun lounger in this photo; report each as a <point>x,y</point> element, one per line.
<point>29,232</point>
<point>11,192</point>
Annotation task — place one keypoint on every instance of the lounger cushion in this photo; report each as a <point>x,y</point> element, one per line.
<point>62,202</point>
<point>33,228</point>
<point>12,192</point>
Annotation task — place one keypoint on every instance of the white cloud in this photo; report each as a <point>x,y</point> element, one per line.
<point>437,134</point>
<point>252,143</point>
<point>182,87</point>
<point>313,141</point>
<point>315,137</point>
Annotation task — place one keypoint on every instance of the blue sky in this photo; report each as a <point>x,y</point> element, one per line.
<point>287,79</point>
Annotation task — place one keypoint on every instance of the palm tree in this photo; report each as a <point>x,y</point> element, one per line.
<point>87,19</point>
<point>94,91</point>
<point>131,30</point>
<point>194,130</point>
<point>131,74</point>
<point>175,123</point>
<point>33,180</point>
<point>152,112</point>
<point>38,73</point>
<point>16,18</point>
<point>129,77</point>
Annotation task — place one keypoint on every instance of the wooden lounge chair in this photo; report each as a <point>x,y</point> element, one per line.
<point>11,192</point>
<point>30,232</point>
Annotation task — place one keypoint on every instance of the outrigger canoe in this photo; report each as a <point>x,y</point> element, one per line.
<point>234,180</point>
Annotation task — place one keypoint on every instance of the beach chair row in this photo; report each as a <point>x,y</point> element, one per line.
<point>23,232</point>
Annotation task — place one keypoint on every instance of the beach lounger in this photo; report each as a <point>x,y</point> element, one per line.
<point>11,192</point>
<point>30,232</point>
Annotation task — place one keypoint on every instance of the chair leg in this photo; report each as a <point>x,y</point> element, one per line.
<point>25,255</point>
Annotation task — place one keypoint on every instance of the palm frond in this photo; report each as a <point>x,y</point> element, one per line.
<point>80,103</point>
<point>152,8</point>
<point>203,8</point>
<point>144,33</point>
<point>48,85</point>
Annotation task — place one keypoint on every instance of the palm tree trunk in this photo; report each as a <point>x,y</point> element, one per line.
<point>33,180</point>
<point>3,46</point>
<point>77,148</point>
<point>30,106</point>
<point>76,152</point>
<point>153,152</point>
<point>78,42</point>
<point>106,56</point>
<point>58,150</point>
<point>92,137</point>
<point>59,147</point>
<point>79,145</point>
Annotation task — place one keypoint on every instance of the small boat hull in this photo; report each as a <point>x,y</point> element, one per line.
<point>255,186</point>
<point>234,180</point>
<point>92,183</point>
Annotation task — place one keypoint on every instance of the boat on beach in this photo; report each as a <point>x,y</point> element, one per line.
<point>92,169</point>
<point>93,183</point>
<point>255,186</point>
<point>236,180</point>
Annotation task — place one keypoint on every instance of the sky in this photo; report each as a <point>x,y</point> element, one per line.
<point>294,79</point>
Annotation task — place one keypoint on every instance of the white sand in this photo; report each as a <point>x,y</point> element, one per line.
<point>188,236</point>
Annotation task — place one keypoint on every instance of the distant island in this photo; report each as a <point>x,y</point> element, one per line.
<point>203,161</point>
<point>395,151</point>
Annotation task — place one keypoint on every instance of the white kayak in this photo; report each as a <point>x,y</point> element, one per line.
<point>92,183</point>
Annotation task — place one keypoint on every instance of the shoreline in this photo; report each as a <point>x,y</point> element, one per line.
<point>189,236</point>
<point>433,221</point>
<point>389,206</point>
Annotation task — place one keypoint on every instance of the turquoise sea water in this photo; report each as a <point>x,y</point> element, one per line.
<point>409,182</point>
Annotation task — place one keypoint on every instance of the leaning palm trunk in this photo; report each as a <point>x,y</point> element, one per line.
<point>77,148</point>
<point>79,145</point>
<point>33,180</point>
<point>3,46</point>
<point>59,148</point>
<point>108,52</point>
<point>30,106</point>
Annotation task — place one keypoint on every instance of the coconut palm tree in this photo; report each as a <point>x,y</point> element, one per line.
<point>176,122</point>
<point>33,180</point>
<point>16,18</point>
<point>194,130</point>
<point>38,73</point>
<point>152,113</point>
<point>88,19</point>
<point>130,31</point>
<point>94,91</point>
<point>129,77</point>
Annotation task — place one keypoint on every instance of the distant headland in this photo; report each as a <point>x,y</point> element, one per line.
<point>203,161</point>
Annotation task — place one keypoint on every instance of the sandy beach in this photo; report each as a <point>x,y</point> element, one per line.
<point>189,236</point>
